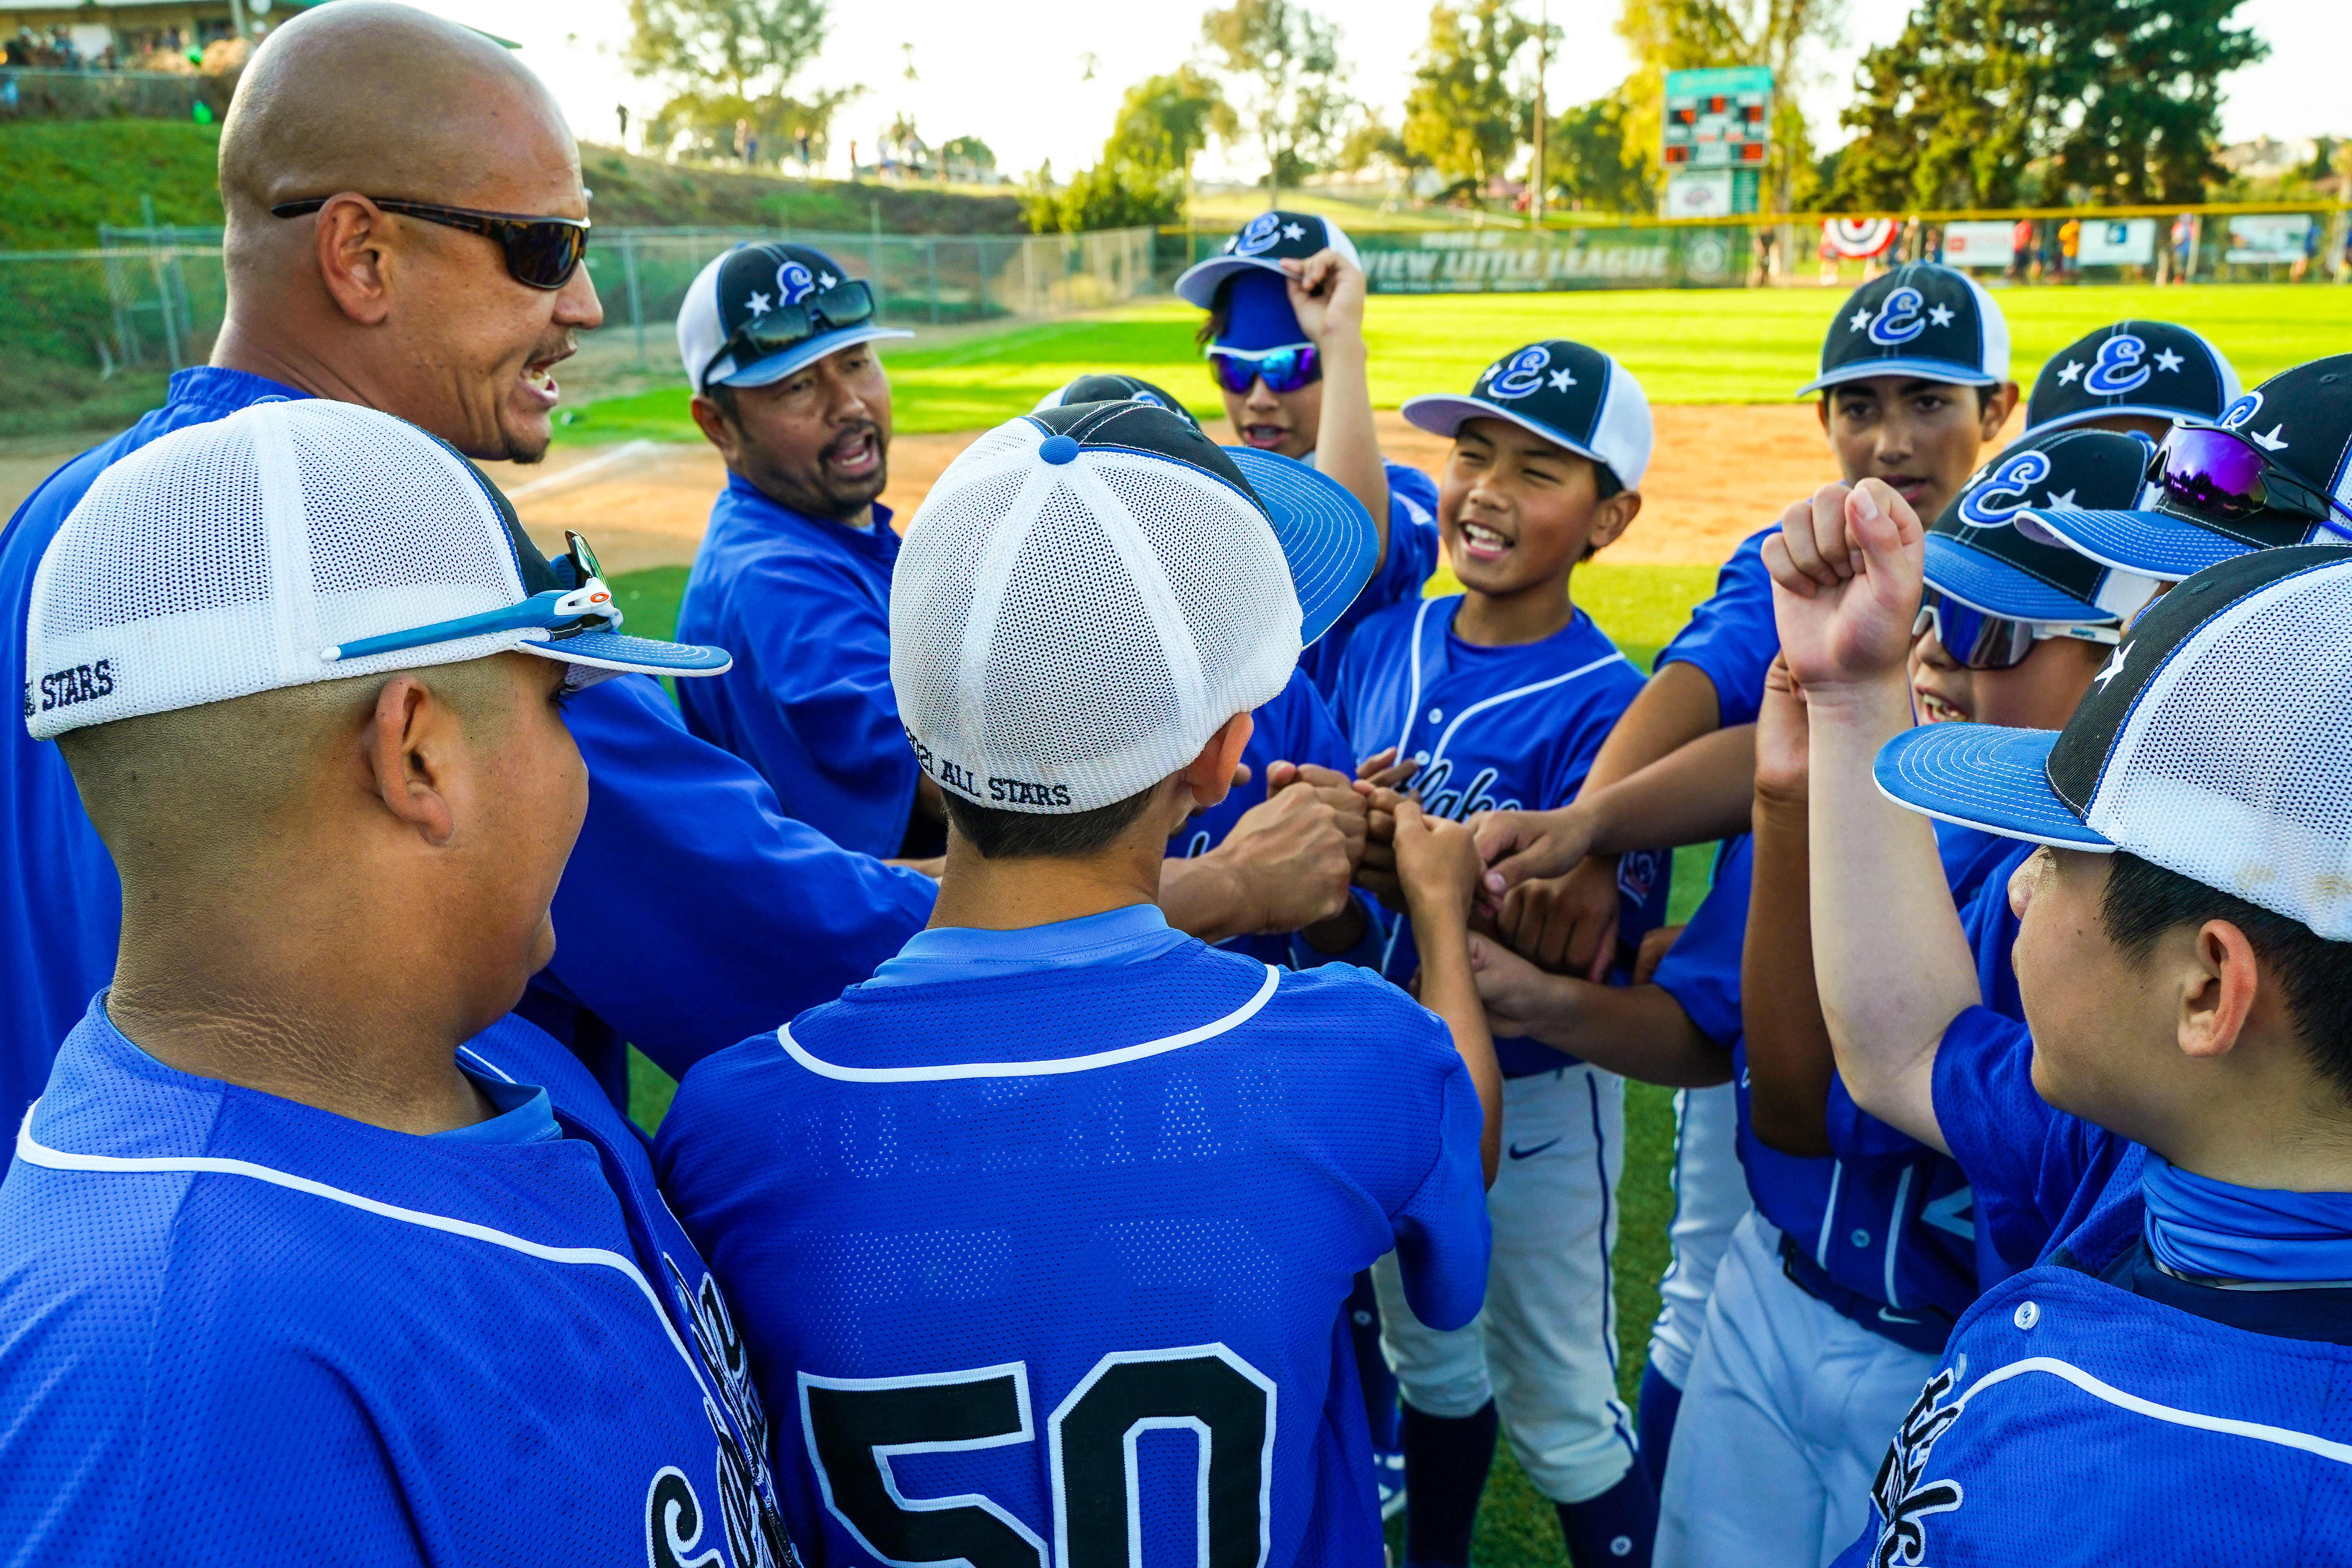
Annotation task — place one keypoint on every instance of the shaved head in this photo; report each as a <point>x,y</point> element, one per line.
<point>365,101</point>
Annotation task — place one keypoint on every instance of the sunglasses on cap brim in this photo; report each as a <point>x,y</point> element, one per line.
<point>586,606</point>
<point>1287,369</point>
<point>848,303</point>
<point>2211,471</point>
<point>1980,641</point>
<point>540,252</point>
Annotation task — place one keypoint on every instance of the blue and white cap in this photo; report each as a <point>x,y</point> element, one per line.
<point>2213,743</point>
<point>753,287</point>
<point>1987,551</point>
<point>297,542</point>
<point>1263,244</point>
<point>1923,319</point>
<point>2153,370</point>
<point>1090,591</point>
<point>1567,394</point>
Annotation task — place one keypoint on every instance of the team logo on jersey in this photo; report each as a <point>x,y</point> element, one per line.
<point>2120,368</point>
<point>1899,319</point>
<point>1522,375</point>
<point>1257,237</point>
<point>1459,805</point>
<point>794,283</point>
<point>1637,874</point>
<point>747,1491</point>
<point>2003,494</point>
<point>1903,1496</point>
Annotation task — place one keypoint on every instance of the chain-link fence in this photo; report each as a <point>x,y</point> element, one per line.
<point>38,92</point>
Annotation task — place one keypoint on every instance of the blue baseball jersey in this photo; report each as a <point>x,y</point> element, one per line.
<point>2094,1400</point>
<point>685,887</point>
<point>1412,557</point>
<point>1494,729</point>
<point>1296,727</point>
<point>1886,1218</point>
<point>804,603</point>
<point>1043,1237</point>
<point>1730,638</point>
<point>234,1328</point>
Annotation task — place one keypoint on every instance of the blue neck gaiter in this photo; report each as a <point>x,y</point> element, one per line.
<point>2207,1229</point>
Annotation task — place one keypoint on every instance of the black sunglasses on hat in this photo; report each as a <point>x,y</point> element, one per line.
<point>2220,472</point>
<point>848,303</point>
<point>540,252</point>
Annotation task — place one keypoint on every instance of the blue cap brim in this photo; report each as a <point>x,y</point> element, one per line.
<point>1326,535</point>
<point>1197,284</point>
<point>1983,776</point>
<point>1947,370</point>
<point>2147,543</point>
<point>776,367</point>
<point>1997,588</point>
<point>625,655</point>
<point>1445,414</point>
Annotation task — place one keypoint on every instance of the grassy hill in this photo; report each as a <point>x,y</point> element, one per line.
<point>631,191</point>
<point>68,176</point>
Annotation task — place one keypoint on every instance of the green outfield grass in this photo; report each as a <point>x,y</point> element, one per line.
<point>1685,345</point>
<point>1641,607</point>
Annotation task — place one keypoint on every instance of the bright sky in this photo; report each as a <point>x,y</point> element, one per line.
<point>1014,73</point>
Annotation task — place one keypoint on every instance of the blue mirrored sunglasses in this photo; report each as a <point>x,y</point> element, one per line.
<point>1980,641</point>
<point>559,612</point>
<point>1285,369</point>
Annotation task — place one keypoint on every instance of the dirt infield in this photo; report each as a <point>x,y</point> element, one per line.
<point>1718,473</point>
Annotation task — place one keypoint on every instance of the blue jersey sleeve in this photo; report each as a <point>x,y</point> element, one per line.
<point>1443,1234</point>
<point>1412,557</point>
<point>1701,971</point>
<point>1731,638</point>
<point>694,913</point>
<point>809,702</point>
<point>2026,1159</point>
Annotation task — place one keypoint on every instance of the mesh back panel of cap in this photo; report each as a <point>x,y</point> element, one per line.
<point>2245,792</point>
<point>222,559</point>
<point>1074,683</point>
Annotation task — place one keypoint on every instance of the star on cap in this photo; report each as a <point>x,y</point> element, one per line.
<point>1940,316</point>
<point>2274,442</point>
<point>2115,667</point>
<point>2167,360</point>
<point>2067,373</point>
<point>1561,380</point>
<point>1294,231</point>
<point>757,304</point>
<point>2062,501</point>
<point>1860,320</point>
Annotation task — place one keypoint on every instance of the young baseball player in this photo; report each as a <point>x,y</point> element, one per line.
<point>1285,343</point>
<point>1048,1224</point>
<point>2132,376</point>
<point>312,1250</point>
<point>1494,698</point>
<point>2163,1384</point>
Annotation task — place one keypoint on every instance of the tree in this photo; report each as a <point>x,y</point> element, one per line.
<point>752,48</point>
<point>1985,102</point>
<point>1295,107</point>
<point>702,125</point>
<point>1164,121</point>
<point>1587,158</point>
<point>1469,107</point>
<point>967,156</point>
<point>1692,35</point>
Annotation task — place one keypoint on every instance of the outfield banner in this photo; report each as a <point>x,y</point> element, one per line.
<point>2276,237</point>
<point>1979,243</point>
<point>1504,261</point>
<point>2119,242</point>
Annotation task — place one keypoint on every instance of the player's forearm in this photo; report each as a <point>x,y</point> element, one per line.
<point>1639,1032</point>
<point>1448,990</point>
<point>1206,898</point>
<point>1676,707</point>
<point>1892,964</point>
<point>1346,444</point>
<point>1695,795</point>
<point>1790,1059</point>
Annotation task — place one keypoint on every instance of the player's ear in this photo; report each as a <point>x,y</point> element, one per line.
<point>2219,981</point>
<point>1997,405</point>
<point>1210,774</point>
<point>1611,518</point>
<point>413,746</point>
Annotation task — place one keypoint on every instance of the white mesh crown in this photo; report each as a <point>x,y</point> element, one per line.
<point>223,559</point>
<point>1065,634</point>
<point>2231,769</point>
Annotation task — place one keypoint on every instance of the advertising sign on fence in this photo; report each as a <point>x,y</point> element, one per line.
<point>2119,242</point>
<point>1478,261</point>
<point>1979,243</point>
<point>2268,237</point>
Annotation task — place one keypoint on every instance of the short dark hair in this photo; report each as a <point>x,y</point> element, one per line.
<point>1001,834</point>
<point>1221,312</point>
<point>724,395</point>
<point>2143,900</point>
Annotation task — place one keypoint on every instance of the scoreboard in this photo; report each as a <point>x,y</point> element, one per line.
<point>1716,129</point>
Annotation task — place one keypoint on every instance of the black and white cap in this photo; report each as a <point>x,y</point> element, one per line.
<point>1987,551</point>
<point>298,542</point>
<point>1266,242</point>
<point>2301,420</point>
<point>1105,386</point>
<point>2157,369</point>
<point>1568,394</point>
<point>749,283</point>
<point>1089,592</point>
<point>1922,319</point>
<point>2215,743</point>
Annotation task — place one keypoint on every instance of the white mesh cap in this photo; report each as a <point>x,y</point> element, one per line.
<point>2214,744</point>
<point>1088,592</point>
<point>276,547</point>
